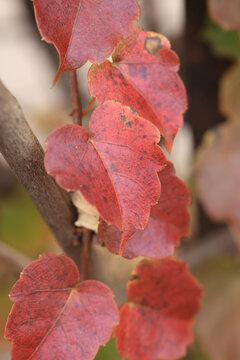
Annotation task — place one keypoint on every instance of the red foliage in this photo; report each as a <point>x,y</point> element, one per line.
<point>84,30</point>
<point>119,169</point>
<point>169,222</point>
<point>156,320</point>
<point>144,76</point>
<point>115,168</point>
<point>56,317</point>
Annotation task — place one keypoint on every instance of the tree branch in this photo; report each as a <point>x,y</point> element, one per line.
<point>25,156</point>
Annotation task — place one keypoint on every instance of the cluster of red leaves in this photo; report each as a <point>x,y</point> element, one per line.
<point>121,170</point>
<point>144,75</point>
<point>56,317</point>
<point>115,166</point>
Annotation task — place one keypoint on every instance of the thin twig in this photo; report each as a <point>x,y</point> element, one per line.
<point>76,101</point>
<point>88,108</point>
<point>77,119</point>
<point>25,156</point>
<point>14,259</point>
<point>214,244</point>
<point>87,242</point>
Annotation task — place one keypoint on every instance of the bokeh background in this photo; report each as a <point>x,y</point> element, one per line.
<point>209,55</point>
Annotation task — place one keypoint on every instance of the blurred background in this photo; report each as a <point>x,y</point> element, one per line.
<point>206,155</point>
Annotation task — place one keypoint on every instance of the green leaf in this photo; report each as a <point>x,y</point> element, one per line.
<point>108,352</point>
<point>195,353</point>
<point>223,43</point>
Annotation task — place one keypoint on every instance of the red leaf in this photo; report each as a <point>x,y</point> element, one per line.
<point>155,322</point>
<point>84,30</point>
<point>55,317</point>
<point>115,168</point>
<point>169,222</point>
<point>144,75</point>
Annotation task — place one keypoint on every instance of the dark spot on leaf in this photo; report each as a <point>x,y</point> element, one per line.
<point>134,70</point>
<point>123,118</point>
<point>152,45</point>
<point>133,110</point>
<point>126,121</point>
<point>134,277</point>
<point>142,70</point>
<point>85,188</point>
<point>166,118</point>
<point>113,168</point>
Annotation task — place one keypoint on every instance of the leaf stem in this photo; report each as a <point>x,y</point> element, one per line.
<point>88,108</point>
<point>76,100</point>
